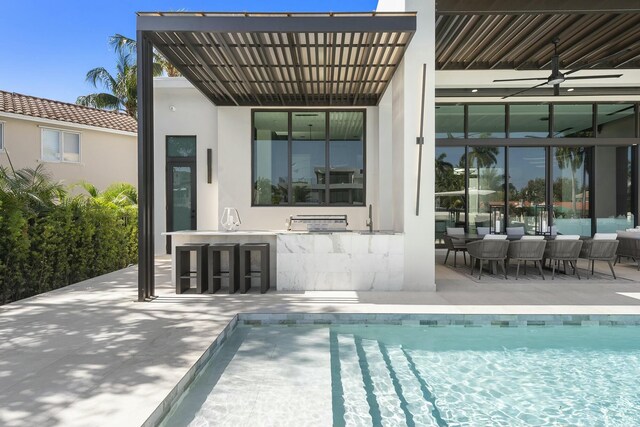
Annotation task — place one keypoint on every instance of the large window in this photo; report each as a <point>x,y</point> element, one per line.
<point>60,146</point>
<point>311,157</point>
<point>527,186</point>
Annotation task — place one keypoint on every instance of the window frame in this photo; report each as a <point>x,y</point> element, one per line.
<point>327,111</point>
<point>61,151</point>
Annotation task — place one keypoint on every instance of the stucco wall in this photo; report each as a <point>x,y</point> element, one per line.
<point>105,157</point>
<point>182,110</point>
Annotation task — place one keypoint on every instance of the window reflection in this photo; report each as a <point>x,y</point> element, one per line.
<point>616,121</point>
<point>270,151</point>
<point>449,189</point>
<point>308,164</point>
<point>487,121</point>
<point>527,186</point>
<point>528,121</point>
<point>573,121</point>
<point>571,190</point>
<point>613,208</point>
<point>450,121</point>
<point>346,157</point>
<point>486,184</point>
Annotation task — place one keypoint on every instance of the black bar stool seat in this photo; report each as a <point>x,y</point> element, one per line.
<point>184,274</point>
<point>245,266</point>
<point>216,274</point>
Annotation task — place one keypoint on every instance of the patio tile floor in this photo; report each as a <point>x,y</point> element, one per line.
<point>88,354</point>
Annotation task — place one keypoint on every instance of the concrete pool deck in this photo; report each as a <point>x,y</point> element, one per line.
<point>87,354</point>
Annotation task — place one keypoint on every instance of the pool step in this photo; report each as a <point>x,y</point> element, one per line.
<point>379,386</point>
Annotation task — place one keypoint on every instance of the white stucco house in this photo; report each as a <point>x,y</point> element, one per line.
<point>279,115</point>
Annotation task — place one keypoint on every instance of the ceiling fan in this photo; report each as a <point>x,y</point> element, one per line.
<point>557,77</point>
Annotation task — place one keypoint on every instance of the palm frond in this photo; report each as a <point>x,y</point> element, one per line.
<point>102,76</point>
<point>105,101</point>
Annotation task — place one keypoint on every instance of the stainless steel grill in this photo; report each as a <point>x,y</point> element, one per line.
<point>317,223</point>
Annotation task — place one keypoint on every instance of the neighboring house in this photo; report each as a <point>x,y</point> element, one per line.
<point>76,143</point>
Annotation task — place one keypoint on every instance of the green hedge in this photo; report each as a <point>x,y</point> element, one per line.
<point>60,242</point>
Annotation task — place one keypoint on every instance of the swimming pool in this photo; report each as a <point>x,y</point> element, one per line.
<point>418,376</point>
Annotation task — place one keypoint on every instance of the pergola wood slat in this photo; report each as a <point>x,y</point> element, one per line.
<point>296,59</point>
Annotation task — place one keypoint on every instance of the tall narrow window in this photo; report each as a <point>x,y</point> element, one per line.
<point>527,186</point>
<point>308,157</point>
<point>486,183</point>
<point>346,158</point>
<point>1,136</point>
<point>270,158</point>
<point>570,173</point>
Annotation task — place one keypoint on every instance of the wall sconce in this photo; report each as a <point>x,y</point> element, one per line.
<point>209,165</point>
<point>496,219</point>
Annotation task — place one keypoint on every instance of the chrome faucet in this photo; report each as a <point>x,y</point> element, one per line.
<point>370,219</point>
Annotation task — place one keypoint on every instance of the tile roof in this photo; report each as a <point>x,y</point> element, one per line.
<point>16,103</point>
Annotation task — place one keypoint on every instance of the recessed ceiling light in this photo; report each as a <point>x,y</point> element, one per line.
<point>474,90</point>
<point>570,89</point>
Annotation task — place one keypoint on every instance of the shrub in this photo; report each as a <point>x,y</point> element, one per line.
<point>50,240</point>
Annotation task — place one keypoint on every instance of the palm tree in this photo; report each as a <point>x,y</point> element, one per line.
<point>121,89</point>
<point>121,43</point>
<point>572,158</point>
<point>30,189</point>
<point>484,157</point>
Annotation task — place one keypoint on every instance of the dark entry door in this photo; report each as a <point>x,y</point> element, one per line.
<point>181,187</point>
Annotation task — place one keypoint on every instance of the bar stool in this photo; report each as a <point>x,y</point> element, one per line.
<point>245,266</point>
<point>184,274</point>
<point>216,274</point>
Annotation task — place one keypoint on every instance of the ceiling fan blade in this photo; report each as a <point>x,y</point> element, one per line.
<point>600,76</point>
<point>525,90</point>
<point>631,107</point>
<point>520,80</point>
<point>556,90</point>
<point>598,61</point>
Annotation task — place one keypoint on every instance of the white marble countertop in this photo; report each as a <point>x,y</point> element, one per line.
<point>272,232</point>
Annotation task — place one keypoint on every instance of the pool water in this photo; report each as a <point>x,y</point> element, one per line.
<point>356,375</point>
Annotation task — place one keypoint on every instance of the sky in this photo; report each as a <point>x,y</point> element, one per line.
<point>48,46</point>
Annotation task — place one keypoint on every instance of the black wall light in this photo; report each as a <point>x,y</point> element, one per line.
<point>209,164</point>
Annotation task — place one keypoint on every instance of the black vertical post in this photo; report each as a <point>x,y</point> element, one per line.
<point>146,285</point>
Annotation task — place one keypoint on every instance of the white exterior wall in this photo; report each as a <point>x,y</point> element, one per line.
<point>194,115</point>
<point>419,268</point>
<point>234,171</point>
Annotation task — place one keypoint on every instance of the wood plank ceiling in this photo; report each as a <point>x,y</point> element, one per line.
<point>522,41</point>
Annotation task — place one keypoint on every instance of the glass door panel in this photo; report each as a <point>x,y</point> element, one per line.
<point>486,184</point>
<point>182,200</point>
<point>449,190</point>
<point>613,208</point>
<point>571,198</point>
<point>527,186</point>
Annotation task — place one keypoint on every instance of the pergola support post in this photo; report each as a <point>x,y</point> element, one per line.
<point>146,268</point>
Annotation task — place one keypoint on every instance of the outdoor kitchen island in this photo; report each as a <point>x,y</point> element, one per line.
<point>308,260</point>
